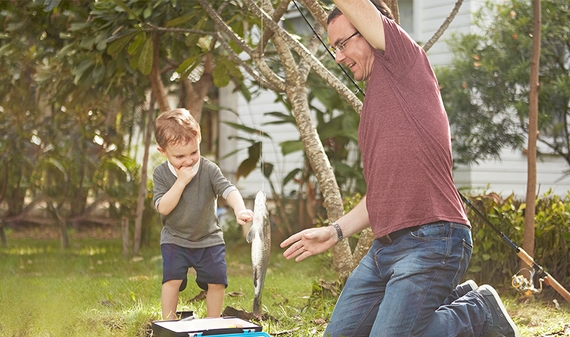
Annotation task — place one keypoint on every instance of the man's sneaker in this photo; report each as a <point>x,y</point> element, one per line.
<point>465,287</point>
<point>460,290</point>
<point>502,324</point>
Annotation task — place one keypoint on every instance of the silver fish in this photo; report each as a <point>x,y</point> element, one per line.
<point>259,236</point>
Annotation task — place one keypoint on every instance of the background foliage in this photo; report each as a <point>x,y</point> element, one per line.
<point>495,262</point>
<point>486,88</point>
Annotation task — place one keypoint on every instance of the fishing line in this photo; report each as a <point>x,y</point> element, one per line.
<point>358,89</point>
<point>258,137</point>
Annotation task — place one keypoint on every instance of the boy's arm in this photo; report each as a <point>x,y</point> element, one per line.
<point>171,198</point>
<point>235,200</point>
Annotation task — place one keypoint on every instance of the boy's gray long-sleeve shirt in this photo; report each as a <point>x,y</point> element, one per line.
<point>193,223</point>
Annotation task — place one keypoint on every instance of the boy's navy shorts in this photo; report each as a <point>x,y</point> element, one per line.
<point>209,263</point>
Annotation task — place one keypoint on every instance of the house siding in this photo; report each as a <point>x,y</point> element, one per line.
<point>253,114</point>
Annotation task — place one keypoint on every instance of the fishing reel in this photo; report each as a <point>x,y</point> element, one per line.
<point>526,286</point>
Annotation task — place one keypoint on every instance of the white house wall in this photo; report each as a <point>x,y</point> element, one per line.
<point>509,175</point>
<point>253,114</point>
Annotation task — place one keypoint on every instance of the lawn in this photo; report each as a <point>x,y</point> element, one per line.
<point>91,290</point>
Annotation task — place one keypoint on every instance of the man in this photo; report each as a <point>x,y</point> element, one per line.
<point>407,284</point>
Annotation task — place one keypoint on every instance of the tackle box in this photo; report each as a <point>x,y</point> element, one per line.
<point>220,327</point>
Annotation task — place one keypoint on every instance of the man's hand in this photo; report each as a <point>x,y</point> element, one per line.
<point>309,242</point>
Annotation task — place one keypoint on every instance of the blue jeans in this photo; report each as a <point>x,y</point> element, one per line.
<point>398,288</point>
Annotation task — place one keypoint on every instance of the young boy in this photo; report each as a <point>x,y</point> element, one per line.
<point>186,188</point>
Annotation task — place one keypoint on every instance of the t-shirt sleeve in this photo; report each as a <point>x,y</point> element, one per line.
<point>160,186</point>
<point>400,53</point>
<point>222,186</point>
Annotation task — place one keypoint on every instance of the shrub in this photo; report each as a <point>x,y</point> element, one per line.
<point>494,261</point>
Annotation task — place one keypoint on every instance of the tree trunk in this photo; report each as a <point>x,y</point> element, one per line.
<point>364,243</point>
<point>2,234</point>
<point>195,92</point>
<point>297,94</point>
<point>142,187</point>
<point>528,239</point>
<point>157,86</point>
<point>125,235</point>
<point>62,223</point>
<point>342,256</point>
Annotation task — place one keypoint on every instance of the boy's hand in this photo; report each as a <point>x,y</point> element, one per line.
<point>185,174</point>
<point>244,216</point>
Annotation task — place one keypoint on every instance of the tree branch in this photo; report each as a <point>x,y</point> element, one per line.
<point>316,11</point>
<point>315,64</point>
<point>443,26</point>
<point>272,80</point>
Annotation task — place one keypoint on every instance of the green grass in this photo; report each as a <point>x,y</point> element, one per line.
<point>91,290</point>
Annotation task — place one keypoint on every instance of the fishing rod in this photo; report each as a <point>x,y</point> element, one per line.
<point>358,89</point>
<point>524,286</point>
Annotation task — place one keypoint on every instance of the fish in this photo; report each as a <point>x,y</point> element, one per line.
<point>259,236</point>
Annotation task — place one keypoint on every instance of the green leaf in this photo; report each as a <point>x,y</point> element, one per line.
<point>98,73</point>
<point>101,45</point>
<point>139,40</point>
<point>146,56</point>
<point>248,165</point>
<point>284,118</point>
<point>117,46</point>
<point>5,49</point>
<point>291,146</point>
<point>147,12</point>
<point>205,42</point>
<point>81,69</point>
<point>134,61</point>
<point>188,65</point>
<point>87,42</point>
<point>180,20</point>
<point>79,26</point>
<point>123,6</point>
<point>50,5</point>
<point>267,170</point>
<point>244,90</point>
<point>291,175</point>
<point>247,129</point>
<point>221,77</point>
<point>15,26</point>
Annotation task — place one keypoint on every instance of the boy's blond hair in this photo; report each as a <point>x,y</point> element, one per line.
<point>176,127</point>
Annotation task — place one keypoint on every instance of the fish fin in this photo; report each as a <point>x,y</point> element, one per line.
<point>255,278</point>
<point>250,236</point>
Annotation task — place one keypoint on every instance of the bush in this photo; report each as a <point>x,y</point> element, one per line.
<point>495,261</point>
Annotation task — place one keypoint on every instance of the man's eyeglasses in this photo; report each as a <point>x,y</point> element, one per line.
<point>342,44</point>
